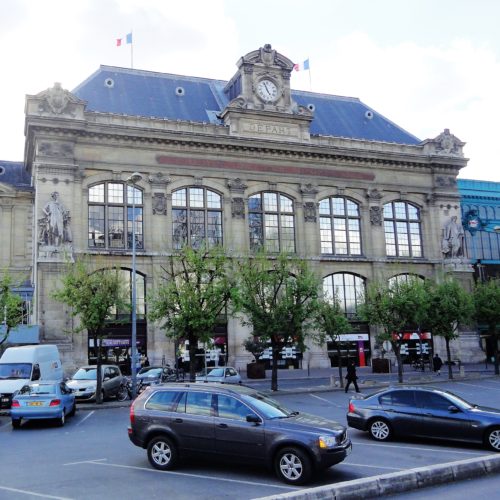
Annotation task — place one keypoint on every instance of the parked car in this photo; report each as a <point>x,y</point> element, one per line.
<point>424,412</point>
<point>84,383</point>
<point>42,400</point>
<point>173,421</point>
<point>150,375</point>
<point>223,374</point>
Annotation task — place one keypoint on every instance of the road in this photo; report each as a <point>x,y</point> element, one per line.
<point>92,458</point>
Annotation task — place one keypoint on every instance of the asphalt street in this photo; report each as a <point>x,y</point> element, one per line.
<point>92,458</point>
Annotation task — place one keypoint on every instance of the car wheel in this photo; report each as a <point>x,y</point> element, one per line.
<point>293,466</point>
<point>380,430</point>
<point>16,423</point>
<point>162,453</point>
<point>61,420</point>
<point>122,393</point>
<point>493,439</point>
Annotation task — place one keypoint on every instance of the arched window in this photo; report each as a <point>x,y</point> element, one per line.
<point>271,222</point>
<point>349,290</point>
<point>196,217</point>
<point>339,226</point>
<point>402,230</point>
<point>111,212</point>
<point>403,278</point>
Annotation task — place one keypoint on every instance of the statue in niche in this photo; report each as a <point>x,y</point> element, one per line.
<point>452,244</point>
<point>54,225</point>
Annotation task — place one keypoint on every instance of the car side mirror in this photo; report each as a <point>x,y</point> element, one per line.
<point>252,418</point>
<point>453,409</point>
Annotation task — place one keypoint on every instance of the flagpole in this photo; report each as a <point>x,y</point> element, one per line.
<point>132,51</point>
<point>310,82</point>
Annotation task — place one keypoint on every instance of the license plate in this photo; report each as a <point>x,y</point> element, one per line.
<point>35,403</point>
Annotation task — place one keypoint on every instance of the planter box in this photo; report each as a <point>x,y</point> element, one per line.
<point>381,365</point>
<point>256,370</point>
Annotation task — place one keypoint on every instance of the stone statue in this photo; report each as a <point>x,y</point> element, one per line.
<point>54,226</point>
<point>453,239</point>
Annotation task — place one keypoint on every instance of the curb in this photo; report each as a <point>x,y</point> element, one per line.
<point>398,482</point>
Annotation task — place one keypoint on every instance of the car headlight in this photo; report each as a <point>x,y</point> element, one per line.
<point>327,441</point>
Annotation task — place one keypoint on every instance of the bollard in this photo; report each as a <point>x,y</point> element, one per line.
<point>462,371</point>
<point>332,380</point>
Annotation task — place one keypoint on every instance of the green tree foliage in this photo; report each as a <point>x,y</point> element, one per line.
<point>487,311</point>
<point>92,294</point>
<point>195,290</point>
<point>395,308</point>
<point>11,312</point>
<point>278,297</point>
<point>449,306</point>
<point>331,323</point>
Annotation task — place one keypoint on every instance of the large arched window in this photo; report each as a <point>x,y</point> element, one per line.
<point>111,212</point>
<point>196,217</point>
<point>349,289</point>
<point>399,279</point>
<point>339,226</point>
<point>271,222</point>
<point>402,230</point>
<point>140,301</point>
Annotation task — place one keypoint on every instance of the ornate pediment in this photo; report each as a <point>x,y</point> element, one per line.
<point>445,144</point>
<point>56,101</point>
<point>266,56</point>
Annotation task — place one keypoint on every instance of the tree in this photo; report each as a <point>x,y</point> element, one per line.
<point>196,289</point>
<point>92,295</point>
<point>487,311</point>
<point>278,297</point>
<point>11,311</point>
<point>449,305</point>
<point>330,321</point>
<point>395,307</point>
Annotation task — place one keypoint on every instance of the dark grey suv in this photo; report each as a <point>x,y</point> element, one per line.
<point>233,422</point>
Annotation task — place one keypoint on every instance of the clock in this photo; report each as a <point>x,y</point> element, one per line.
<point>267,90</point>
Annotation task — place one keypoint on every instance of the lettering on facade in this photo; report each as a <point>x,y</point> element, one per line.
<point>270,129</point>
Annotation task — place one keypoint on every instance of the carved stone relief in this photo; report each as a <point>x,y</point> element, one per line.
<point>374,194</point>
<point>236,185</point>
<point>309,211</point>
<point>309,190</point>
<point>376,216</point>
<point>58,101</point>
<point>452,239</point>
<point>238,208</point>
<point>159,204</point>
<point>61,149</point>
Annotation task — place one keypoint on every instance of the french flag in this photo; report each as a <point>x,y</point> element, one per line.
<point>302,66</point>
<point>128,39</point>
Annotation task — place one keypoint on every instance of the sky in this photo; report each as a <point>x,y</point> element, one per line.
<point>426,65</point>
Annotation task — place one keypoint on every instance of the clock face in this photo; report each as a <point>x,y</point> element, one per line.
<point>267,90</point>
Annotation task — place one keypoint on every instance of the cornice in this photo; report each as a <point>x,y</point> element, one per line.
<point>204,136</point>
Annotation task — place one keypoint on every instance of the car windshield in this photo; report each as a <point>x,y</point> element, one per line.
<point>216,372</point>
<point>267,406</point>
<point>86,374</point>
<point>38,389</point>
<point>15,370</point>
<point>457,400</point>
<point>150,372</point>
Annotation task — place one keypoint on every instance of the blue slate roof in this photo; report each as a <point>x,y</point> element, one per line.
<point>14,174</point>
<point>174,97</point>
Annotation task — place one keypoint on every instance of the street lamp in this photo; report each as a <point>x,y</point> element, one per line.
<point>133,180</point>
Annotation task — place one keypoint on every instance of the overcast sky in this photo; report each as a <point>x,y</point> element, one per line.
<point>427,65</point>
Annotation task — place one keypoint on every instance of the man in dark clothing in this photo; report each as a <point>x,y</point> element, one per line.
<point>351,376</point>
<point>437,363</point>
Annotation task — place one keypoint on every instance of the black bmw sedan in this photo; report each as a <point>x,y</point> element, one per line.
<point>424,412</point>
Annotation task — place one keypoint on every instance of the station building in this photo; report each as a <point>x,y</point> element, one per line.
<point>245,162</point>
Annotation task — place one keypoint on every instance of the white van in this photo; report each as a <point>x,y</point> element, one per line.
<point>20,365</point>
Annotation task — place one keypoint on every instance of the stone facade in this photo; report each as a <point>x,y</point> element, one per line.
<point>261,144</point>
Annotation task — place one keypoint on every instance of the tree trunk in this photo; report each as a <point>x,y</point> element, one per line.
<point>396,347</point>
<point>341,377</point>
<point>495,351</point>
<point>274,368</point>
<point>98,390</point>
<point>448,356</point>
<point>193,345</point>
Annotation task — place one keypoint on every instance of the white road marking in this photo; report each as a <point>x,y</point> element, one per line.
<point>32,493</point>
<point>373,466</point>
<point>85,418</point>
<point>186,474</point>
<point>5,425</point>
<point>87,461</point>
<point>362,443</point>
<point>327,401</point>
<point>480,386</point>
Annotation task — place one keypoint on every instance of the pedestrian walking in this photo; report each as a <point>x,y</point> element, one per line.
<point>351,376</point>
<point>437,363</point>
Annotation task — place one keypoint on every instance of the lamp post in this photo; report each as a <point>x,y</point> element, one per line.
<point>133,180</point>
